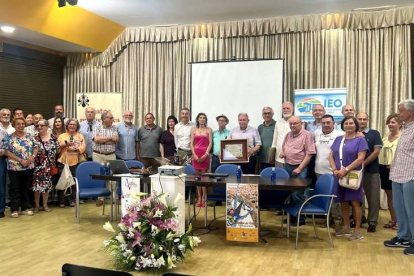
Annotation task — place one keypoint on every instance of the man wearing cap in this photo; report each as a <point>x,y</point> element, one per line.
<point>221,134</point>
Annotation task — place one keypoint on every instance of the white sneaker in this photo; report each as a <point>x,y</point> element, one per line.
<point>28,213</point>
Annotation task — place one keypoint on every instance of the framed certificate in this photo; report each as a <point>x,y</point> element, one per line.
<point>233,151</point>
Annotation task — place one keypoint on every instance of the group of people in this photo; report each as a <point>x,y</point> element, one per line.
<point>31,147</point>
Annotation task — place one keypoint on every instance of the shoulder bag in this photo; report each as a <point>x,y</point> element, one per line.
<point>352,180</point>
<point>66,180</point>
<point>54,170</point>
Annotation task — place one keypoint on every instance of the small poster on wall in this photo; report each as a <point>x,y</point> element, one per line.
<point>101,102</point>
<point>130,186</point>
<point>331,98</point>
<point>242,212</point>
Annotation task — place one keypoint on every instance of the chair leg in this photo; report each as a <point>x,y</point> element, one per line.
<point>205,215</point>
<point>314,227</point>
<point>329,230</point>
<point>77,211</point>
<point>297,230</point>
<point>288,225</point>
<point>281,224</point>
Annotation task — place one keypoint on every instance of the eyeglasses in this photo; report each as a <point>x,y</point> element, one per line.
<point>267,113</point>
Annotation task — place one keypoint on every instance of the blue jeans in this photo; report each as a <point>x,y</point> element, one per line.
<point>3,171</point>
<point>289,168</point>
<point>403,201</point>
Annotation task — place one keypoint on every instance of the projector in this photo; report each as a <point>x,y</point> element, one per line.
<point>170,170</point>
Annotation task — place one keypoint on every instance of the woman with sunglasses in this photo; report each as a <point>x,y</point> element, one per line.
<point>72,146</point>
<point>44,161</point>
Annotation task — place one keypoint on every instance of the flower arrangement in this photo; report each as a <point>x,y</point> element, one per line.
<point>147,236</point>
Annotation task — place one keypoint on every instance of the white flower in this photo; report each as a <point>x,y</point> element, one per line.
<point>178,198</point>
<point>133,258</point>
<point>158,213</point>
<point>176,240</point>
<point>154,230</point>
<point>137,225</point>
<point>122,226</point>
<point>161,248</point>
<point>170,262</point>
<point>146,262</point>
<point>108,227</point>
<point>196,240</point>
<point>176,214</point>
<point>106,243</point>
<point>159,262</point>
<point>170,236</point>
<point>120,238</point>
<point>162,198</point>
<point>181,247</point>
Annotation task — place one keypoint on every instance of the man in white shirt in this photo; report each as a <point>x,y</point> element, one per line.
<point>5,121</point>
<point>324,139</point>
<point>281,129</point>
<point>59,113</point>
<point>182,134</point>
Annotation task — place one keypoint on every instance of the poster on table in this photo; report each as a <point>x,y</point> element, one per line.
<point>129,186</point>
<point>331,98</point>
<point>242,212</point>
<point>101,102</point>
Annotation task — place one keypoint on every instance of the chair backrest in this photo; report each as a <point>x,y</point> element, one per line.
<point>324,186</point>
<point>227,168</point>
<point>281,173</point>
<point>83,174</point>
<point>134,164</point>
<point>189,169</point>
<point>78,270</point>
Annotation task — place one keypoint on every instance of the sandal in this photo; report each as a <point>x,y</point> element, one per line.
<point>395,227</point>
<point>390,224</point>
<point>46,209</point>
<point>15,214</point>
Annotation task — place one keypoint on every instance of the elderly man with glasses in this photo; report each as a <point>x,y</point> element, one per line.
<point>266,131</point>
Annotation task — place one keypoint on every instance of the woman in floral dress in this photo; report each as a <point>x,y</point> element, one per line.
<point>44,161</point>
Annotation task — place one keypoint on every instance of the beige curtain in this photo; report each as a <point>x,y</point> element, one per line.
<point>152,66</point>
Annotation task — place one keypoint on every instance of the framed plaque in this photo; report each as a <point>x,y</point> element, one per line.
<point>233,151</point>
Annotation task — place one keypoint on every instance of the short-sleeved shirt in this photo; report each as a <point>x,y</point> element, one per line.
<point>373,138</point>
<point>182,135</point>
<point>387,152</point>
<point>266,135</point>
<point>323,143</point>
<point>217,137</point>
<point>402,169</point>
<point>103,131</point>
<point>281,129</point>
<point>250,133</point>
<point>296,147</point>
<point>167,140</point>
<point>22,147</point>
<point>312,127</point>
<point>126,146</point>
<point>149,141</point>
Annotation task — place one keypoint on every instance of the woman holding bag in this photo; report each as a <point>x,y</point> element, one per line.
<point>72,147</point>
<point>45,165</point>
<point>353,150</point>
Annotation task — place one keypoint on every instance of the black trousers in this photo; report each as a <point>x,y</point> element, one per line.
<point>20,190</point>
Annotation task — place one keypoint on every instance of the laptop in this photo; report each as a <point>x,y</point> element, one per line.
<point>118,166</point>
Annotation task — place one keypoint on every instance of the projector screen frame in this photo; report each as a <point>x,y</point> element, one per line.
<point>276,109</point>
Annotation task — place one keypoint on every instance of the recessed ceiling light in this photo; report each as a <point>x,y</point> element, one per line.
<point>7,29</point>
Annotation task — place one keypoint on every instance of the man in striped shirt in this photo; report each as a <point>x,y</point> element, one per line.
<point>105,137</point>
<point>402,177</point>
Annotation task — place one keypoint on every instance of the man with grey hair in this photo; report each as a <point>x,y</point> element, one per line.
<point>371,178</point>
<point>105,137</point>
<point>402,177</point>
<point>266,131</point>
<point>87,127</point>
<point>148,147</point>
<point>5,123</point>
<point>244,131</point>
<point>348,110</point>
<point>281,129</point>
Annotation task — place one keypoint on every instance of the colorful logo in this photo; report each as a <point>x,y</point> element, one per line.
<point>305,105</point>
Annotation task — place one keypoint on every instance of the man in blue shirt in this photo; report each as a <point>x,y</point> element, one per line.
<point>371,179</point>
<point>126,149</point>
<point>86,128</point>
<point>221,134</point>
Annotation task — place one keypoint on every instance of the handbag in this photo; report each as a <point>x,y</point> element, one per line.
<point>352,180</point>
<point>54,170</point>
<point>66,180</point>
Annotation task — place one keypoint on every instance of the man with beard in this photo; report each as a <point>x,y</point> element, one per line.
<point>59,113</point>
<point>281,129</point>
<point>126,149</point>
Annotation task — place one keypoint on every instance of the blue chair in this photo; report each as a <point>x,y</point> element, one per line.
<point>86,187</point>
<point>273,199</point>
<point>219,193</point>
<point>318,204</point>
<point>134,164</point>
<point>189,169</point>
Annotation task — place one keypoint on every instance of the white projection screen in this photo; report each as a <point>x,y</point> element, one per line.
<point>231,87</point>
